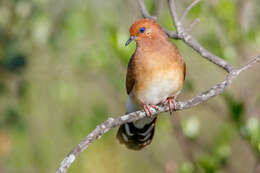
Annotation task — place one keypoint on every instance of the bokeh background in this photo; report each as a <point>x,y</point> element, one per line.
<point>62,72</point>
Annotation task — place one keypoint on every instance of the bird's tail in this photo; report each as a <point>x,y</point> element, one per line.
<point>136,135</point>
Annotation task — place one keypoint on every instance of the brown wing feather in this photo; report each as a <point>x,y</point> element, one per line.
<point>130,81</point>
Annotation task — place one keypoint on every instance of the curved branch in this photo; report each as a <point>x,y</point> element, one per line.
<point>194,44</point>
<point>188,9</point>
<point>114,122</point>
<point>184,36</point>
<point>212,92</point>
<point>146,14</point>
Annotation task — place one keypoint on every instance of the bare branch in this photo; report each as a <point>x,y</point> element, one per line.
<point>113,122</point>
<point>188,9</point>
<point>181,34</point>
<point>174,15</point>
<point>194,22</point>
<point>145,14</point>
<point>194,44</point>
<point>250,64</point>
<point>171,34</point>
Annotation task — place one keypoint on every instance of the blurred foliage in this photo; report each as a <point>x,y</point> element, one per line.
<point>62,72</point>
<point>191,127</point>
<point>186,167</point>
<point>236,108</point>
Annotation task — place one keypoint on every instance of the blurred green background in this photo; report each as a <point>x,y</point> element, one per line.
<point>62,72</point>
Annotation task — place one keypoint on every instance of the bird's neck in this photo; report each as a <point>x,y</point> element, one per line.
<point>152,44</point>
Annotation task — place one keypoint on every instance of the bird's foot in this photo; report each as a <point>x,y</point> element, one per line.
<point>147,109</point>
<point>170,101</point>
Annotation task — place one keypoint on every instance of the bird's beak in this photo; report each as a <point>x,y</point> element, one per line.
<point>129,40</point>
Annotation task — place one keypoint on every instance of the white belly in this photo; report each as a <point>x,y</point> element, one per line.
<point>159,88</point>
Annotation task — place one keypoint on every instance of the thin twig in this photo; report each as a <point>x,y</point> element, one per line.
<point>145,12</point>
<point>250,63</point>
<point>194,22</point>
<point>186,11</point>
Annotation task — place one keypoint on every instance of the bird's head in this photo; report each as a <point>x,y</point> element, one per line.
<point>143,29</point>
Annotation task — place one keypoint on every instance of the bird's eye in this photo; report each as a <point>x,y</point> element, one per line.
<point>141,30</point>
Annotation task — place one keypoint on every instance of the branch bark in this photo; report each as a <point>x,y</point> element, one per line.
<point>212,92</point>
<point>114,122</point>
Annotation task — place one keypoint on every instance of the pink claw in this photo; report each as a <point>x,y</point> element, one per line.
<point>171,103</point>
<point>147,109</point>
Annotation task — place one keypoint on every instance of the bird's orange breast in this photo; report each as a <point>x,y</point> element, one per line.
<point>158,75</point>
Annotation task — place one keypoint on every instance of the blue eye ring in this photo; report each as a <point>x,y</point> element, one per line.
<point>142,29</point>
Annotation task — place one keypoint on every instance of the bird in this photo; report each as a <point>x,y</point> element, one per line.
<point>155,75</point>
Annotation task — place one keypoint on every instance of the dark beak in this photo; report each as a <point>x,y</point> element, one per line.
<point>129,40</point>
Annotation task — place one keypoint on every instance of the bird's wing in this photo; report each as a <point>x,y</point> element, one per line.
<point>130,81</point>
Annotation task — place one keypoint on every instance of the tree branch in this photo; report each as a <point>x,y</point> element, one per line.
<point>214,91</point>
<point>194,22</point>
<point>145,14</point>
<point>114,122</point>
<point>184,36</point>
<point>193,43</point>
<point>188,9</point>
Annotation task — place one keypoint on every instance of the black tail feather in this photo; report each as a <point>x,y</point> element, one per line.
<point>136,138</point>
